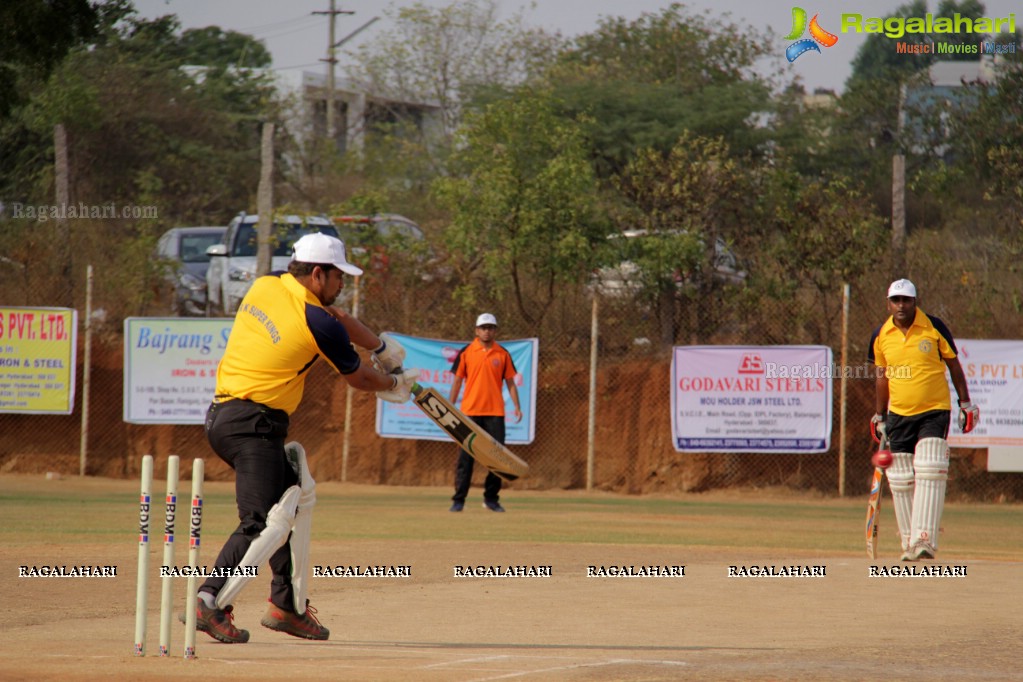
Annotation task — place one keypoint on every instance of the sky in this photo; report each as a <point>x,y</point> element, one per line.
<point>297,38</point>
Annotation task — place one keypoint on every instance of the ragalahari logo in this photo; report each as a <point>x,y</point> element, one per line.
<point>804,45</point>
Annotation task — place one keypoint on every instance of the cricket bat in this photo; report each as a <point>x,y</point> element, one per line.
<point>874,505</point>
<point>474,440</point>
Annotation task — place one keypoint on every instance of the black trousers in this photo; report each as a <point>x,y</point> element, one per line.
<point>250,437</point>
<point>463,469</point>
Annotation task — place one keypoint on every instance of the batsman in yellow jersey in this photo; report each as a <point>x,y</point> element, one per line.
<point>913,409</point>
<point>284,324</point>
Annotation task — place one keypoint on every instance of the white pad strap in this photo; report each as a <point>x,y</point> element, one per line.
<point>302,530</point>
<point>900,481</point>
<point>931,465</point>
<point>272,538</point>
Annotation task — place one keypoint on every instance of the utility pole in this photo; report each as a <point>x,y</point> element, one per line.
<point>898,260</point>
<point>331,61</point>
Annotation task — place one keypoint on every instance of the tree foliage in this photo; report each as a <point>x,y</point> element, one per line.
<point>646,82</point>
<point>815,235</point>
<point>141,128</point>
<point>683,202</point>
<point>522,199</point>
<point>34,36</point>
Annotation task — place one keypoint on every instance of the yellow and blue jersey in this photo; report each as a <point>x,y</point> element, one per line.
<point>914,363</point>
<point>279,332</point>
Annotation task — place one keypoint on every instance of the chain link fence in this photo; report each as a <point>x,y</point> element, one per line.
<point>631,449</point>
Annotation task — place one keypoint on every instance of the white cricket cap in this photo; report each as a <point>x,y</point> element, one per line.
<point>902,287</point>
<point>322,248</point>
<point>486,318</point>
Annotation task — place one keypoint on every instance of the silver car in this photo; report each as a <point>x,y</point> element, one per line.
<point>233,261</point>
<point>182,251</point>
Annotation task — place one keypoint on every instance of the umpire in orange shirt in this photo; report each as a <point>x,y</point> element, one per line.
<point>482,366</point>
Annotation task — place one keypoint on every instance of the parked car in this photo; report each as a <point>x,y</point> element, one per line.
<point>233,263</point>
<point>360,230</point>
<point>374,240</point>
<point>624,279</point>
<point>183,251</point>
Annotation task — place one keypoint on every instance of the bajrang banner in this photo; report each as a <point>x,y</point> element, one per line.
<point>37,360</point>
<point>170,367</point>
<point>752,398</point>
<point>994,374</point>
<point>433,358</point>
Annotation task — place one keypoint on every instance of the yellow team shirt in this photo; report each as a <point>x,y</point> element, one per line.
<point>279,332</point>
<point>484,372</point>
<point>915,364</point>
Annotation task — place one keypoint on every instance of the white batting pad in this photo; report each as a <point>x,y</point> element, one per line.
<point>931,465</point>
<point>900,481</point>
<point>273,537</point>
<point>302,530</point>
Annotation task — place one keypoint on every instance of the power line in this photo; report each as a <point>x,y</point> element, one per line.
<point>276,24</point>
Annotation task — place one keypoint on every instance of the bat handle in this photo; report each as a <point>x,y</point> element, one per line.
<point>416,388</point>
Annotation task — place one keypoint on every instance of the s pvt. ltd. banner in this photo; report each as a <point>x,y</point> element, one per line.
<point>170,367</point>
<point>37,360</point>
<point>994,374</point>
<point>751,398</point>
<point>433,357</point>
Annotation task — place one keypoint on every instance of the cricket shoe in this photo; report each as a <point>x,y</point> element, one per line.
<point>305,626</point>
<point>919,551</point>
<point>457,506</point>
<point>493,505</point>
<point>217,623</point>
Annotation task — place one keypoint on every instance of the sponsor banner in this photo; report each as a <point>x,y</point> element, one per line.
<point>170,368</point>
<point>994,373</point>
<point>752,398</point>
<point>433,357</point>
<point>37,360</point>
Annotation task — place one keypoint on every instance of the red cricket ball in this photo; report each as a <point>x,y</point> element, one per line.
<point>882,458</point>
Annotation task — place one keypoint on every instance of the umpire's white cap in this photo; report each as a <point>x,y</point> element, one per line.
<point>902,287</point>
<point>486,318</point>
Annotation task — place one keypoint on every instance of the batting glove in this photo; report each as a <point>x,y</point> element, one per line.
<point>390,355</point>
<point>969,416</point>
<point>877,427</point>
<point>404,380</point>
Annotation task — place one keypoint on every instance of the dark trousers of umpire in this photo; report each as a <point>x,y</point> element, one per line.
<point>463,470</point>
<point>250,437</point>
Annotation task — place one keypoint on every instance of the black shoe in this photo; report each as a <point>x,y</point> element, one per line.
<point>457,506</point>
<point>493,505</point>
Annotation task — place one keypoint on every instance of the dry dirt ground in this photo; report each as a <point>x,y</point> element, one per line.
<point>434,626</point>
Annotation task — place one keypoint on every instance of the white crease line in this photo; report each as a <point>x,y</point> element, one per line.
<point>479,659</point>
<point>600,664</point>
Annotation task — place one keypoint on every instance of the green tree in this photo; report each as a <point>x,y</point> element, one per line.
<point>522,199</point>
<point>141,127</point>
<point>142,132</point>
<point>645,82</point>
<point>684,203</point>
<point>34,37</point>
<point>814,236</point>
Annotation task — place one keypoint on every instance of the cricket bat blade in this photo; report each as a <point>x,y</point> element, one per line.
<point>473,439</point>
<point>874,505</point>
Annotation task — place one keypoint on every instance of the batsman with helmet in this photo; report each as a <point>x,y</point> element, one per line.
<point>913,409</point>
